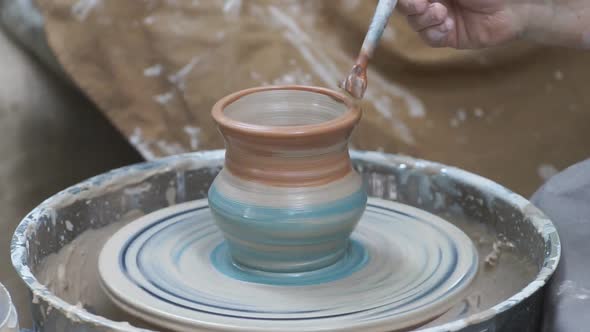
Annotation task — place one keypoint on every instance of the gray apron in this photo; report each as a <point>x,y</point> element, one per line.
<point>565,198</point>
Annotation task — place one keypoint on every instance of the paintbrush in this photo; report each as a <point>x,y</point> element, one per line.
<point>356,82</point>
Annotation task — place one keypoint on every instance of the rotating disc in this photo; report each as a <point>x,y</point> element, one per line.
<point>403,268</point>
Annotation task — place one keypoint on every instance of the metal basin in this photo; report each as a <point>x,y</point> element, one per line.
<point>436,188</point>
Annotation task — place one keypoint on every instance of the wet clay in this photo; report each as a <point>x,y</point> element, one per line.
<point>72,273</point>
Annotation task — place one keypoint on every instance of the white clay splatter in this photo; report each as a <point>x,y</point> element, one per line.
<point>296,76</point>
<point>149,20</point>
<point>193,135</point>
<point>69,226</point>
<point>171,195</point>
<point>137,190</point>
<point>255,76</point>
<point>232,8</point>
<point>459,117</point>
<point>558,75</point>
<point>220,35</point>
<point>415,107</point>
<point>546,171</point>
<point>326,69</point>
<point>179,78</point>
<point>140,144</point>
<point>569,287</point>
<point>170,148</point>
<point>154,70</point>
<point>164,98</point>
<point>385,107</point>
<point>82,8</point>
<point>300,40</point>
<point>493,257</point>
<point>478,112</point>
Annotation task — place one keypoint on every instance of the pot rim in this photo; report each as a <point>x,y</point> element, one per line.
<point>344,121</point>
<point>19,244</point>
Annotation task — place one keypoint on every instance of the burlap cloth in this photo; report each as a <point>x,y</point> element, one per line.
<point>156,67</point>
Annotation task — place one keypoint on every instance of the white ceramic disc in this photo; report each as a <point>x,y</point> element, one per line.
<point>404,267</point>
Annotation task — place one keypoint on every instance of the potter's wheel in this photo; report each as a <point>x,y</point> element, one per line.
<point>403,268</point>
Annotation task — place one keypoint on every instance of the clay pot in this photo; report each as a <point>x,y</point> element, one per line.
<point>287,198</point>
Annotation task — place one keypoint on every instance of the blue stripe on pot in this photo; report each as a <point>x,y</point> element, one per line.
<point>262,214</point>
<point>287,239</point>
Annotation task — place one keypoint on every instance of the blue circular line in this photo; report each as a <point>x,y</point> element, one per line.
<point>125,270</point>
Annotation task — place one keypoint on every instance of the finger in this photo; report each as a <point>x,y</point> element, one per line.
<point>435,14</point>
<point>412,7</point>
<point>438,35</point>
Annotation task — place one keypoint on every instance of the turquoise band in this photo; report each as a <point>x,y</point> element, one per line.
<point>287,239</point>
<point>263,214</point>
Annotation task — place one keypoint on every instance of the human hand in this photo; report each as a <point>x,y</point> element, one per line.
<point>464,24</point>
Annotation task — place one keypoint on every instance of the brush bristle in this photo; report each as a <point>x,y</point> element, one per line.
<point>356,82</point>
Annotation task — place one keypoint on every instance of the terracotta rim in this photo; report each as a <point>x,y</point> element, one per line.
<point>346,120</point>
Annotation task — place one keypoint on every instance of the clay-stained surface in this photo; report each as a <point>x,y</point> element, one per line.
<point>155,67</point>
<point>451,193</point>
<point>50,137</point>
<point>72,273</point>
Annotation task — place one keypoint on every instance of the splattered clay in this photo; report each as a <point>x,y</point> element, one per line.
<point>72,273</point>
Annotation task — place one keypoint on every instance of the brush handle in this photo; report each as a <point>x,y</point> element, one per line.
<point>355,83</point>
<point>378,23</point>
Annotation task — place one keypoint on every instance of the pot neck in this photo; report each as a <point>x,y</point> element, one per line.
<point>295,162</point>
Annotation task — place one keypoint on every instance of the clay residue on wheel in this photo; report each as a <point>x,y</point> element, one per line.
<point>72,274</point>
